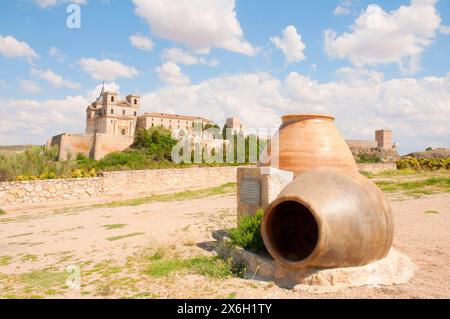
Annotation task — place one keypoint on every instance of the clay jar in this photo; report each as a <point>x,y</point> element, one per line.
<point>328,218</point>
<point>308,141</point>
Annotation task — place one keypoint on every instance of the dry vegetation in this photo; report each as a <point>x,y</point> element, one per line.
<point>160,246</point>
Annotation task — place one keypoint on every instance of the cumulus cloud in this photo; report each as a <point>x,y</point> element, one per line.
<point>12,48</point>
<point>444,29</point>
<point>177,55</point>
<point>142,42</point>
<point>32,121</point>
<point>171,73</point>
<point>57,54</point>
<point>55,79</point>
<point>107,70</point>
<point>341,11</point>
<point>379,37</point>
<point>199,24</point>
<point>51,3</point>
<point>30,86</point>
<point>290,44</point>
<point>418,110</point>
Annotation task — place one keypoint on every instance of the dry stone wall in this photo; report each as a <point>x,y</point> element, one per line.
<point>113,184</point>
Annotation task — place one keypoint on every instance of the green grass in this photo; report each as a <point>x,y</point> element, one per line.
<point>227,188</point>
<point>114,238</point>
<point>29,257</point>
<point>44,279</point>
<point>213,267</point>
<point>417,187</point>
<point>114,226</point>
<point>431,212</point>
<point>2,212</point>
<point>5,260</point>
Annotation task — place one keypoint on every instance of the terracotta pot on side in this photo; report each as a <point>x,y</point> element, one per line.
<point>328,218</point>
<point>307,142</point>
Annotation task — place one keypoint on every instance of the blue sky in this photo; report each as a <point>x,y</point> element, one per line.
<point>372,64</point>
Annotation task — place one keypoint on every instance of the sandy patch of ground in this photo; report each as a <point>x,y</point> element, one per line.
<point>115,246</point>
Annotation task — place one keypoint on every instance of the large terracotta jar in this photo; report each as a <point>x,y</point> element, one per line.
<point>305,142</point>
<point>328,218</point>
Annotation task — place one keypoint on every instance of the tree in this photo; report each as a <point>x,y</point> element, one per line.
<point>156,141</point>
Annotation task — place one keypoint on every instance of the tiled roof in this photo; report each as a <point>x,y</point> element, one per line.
<point>176,117</point>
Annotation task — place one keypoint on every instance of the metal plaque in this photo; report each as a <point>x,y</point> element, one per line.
<point>250,192</point>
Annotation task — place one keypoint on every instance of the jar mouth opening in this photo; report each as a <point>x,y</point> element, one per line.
<point>302,117</point>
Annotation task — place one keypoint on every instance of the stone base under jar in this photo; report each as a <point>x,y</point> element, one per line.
<point>395,268</point>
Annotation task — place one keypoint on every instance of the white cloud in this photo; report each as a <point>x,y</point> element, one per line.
<point>290,44</point>
<point>361,100</point>
<point>55,79</point>
<point>379,37</point>
<point>341,11</point>
<point>57,54</point>
<point>34,121</point>
<point>444,29</point>
<point>142,42</point>
<point>107,70</point>
<point>12,48</point>
<point>177,55</point>
<point>30,86</point>
<point>50,3</point>
<point>171,73</point>
<point>199,24</point>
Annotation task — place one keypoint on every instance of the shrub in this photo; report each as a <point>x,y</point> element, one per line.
<point>82,173</point>
<point>430,164</point>
<point>156,141</point>
<point>429,149</point>
<point>248,232</point>
<point>368,159</point>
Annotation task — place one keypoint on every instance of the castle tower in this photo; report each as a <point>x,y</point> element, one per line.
<point>384,138</point>
<point>109,115</point>
<point>235,125</point>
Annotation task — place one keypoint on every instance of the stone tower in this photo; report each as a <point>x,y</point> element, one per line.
<point>235,125</point>
<point>384,138</point>
<point>109,115</point>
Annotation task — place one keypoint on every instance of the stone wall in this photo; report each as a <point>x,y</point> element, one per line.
<point>107,143</point>
<point>114,185</point>
<point>94,146</point>
<point>361,144</point>
<point>376,167</point>
<point>30,192</point>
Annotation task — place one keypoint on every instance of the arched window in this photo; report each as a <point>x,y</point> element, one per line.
<point>124,131</point>
<point>135,101</point>
<point>112,98</point>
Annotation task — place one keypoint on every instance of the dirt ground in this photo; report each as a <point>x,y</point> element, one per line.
<point>113,247</point>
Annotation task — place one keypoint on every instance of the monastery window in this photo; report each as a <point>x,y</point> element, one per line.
<point>123,112</point>
<point>124,132</point>
<point>112,98</point>
<point>135,101</point>
<point>153,124</point>
<point>161,120</point>
<point>135,113</point>
<point>112,111</point>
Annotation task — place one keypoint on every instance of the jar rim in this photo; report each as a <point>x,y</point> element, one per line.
<point>306,116</point>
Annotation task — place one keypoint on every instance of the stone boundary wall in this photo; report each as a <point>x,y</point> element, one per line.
<point>364,144</point>
<point>376,167</point>
<point>115,184</point>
